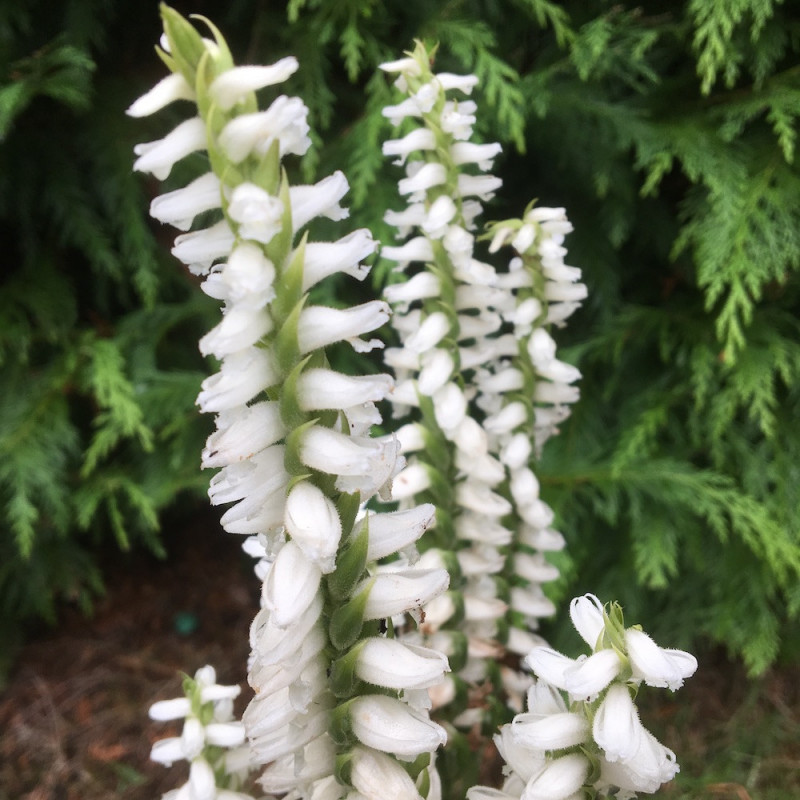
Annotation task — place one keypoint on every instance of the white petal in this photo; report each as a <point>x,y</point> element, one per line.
<point>324,388</point>
<point>401,591</point>
<point>179,208</point>
<point>559,779</point>
<point>160,156</point>
<point>655,665</point>
<point>320,326</point>
<point>395,665</point>
<point>550,731</point>
<point>586,614</point>
<point>389,725</point>
<point>379,777</point>
<point>291,585</point>
<point>173,87</point>
<point>616,726</point>
<point>235,84</point>
<point>314,525</point>
<point>591,675</point>
<point>165,710</point>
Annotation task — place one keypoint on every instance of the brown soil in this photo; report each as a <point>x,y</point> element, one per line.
<point>73,717</point>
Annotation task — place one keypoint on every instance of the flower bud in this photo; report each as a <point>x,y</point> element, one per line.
<point>587,616</point>
<point>378,776</point>
<point>314,525</point>
<point>559,779</point>
<point>291,585</point>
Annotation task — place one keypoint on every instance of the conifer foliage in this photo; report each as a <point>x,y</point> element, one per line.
<point>667,130</point>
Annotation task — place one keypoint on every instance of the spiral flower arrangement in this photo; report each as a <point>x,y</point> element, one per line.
<point>363,613</point>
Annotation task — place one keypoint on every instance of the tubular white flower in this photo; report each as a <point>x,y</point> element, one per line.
<point>314,525</point>
<point>552,731</point>
<point>424,177</point>
<point>418,139</point>
<point>481,186</point>
<point>550,666</point>
<point>433,329</point>
<point>258,214</point>
<point>284,121</point>
<point>377,776</point>
<point>179,208</point>
<point>589,676</point>
<point>420,286</point>
<point>243,432</point>
<point>393,593</point>
<point>651,765</point>
<point>616,727</point>
<point>586,614</point>
<point>165,710</point>
<point>320,200</point>
<point>655,665</point>
<point>324,388</point>
<point>233,85</point>
<point>166,91</point>
<point>320,326</point>
<point>394,530</point>
<point>239,329</point>
<point>241,377</point>
<point>417,249</point>
<point>395,665</point>
<point>159,157</point>
<point>340,454</point>
<point>326,258</point>
<point>470,153</point>
<point>389,725</point>
<point>199,249</point>
<point>291,585</point>
<point>559,779</point>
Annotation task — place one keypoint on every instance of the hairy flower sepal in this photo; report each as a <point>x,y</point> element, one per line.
<point>348,619</point>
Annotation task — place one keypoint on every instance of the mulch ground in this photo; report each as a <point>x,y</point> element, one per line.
<point>73,716</point>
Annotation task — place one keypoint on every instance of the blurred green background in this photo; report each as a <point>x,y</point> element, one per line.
<point>667,130</point>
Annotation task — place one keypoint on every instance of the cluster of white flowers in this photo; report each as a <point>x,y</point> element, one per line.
<point>211,740</point>
<point>341,706</point>
<point>582,729</point>
<point>293,440</point>
<point>525,395</point>
<point>446,317</point>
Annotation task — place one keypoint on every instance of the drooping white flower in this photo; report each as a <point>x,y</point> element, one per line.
<point>616,727</point>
